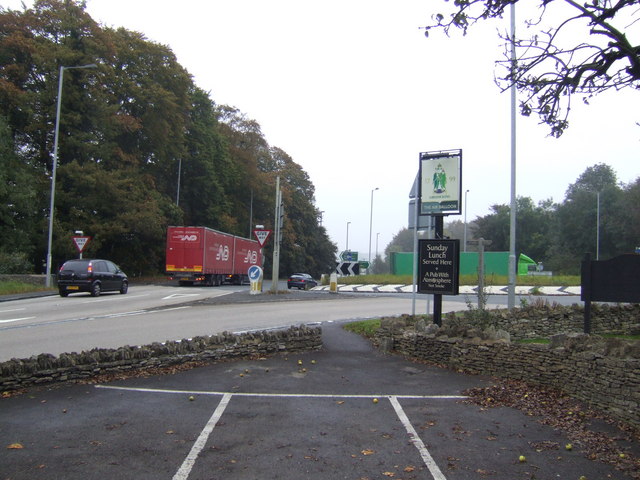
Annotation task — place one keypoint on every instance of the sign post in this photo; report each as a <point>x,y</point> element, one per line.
<point>439,194</point>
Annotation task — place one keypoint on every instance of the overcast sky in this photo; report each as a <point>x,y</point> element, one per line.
<point>353,91</point>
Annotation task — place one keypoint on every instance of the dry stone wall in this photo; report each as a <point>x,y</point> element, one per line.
<point>546,320</point>
<point>45,368</point>
<point>602,372</point>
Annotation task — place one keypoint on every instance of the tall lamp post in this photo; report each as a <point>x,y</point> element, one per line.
<point>376,257</point>
<point>55,165</point>
<point>465,221</point>
<point>347,247</point>
<point>371,224</point>
<point>598,226</point>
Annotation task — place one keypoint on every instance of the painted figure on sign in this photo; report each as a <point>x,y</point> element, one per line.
<point>439,179</point>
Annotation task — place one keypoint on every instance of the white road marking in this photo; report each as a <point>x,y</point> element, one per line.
<point>16,319</point>
<point>187,465</point>
<point>282,395</point>
<point>13,310</point>
<point>415,439</point>
<point>180,295</point>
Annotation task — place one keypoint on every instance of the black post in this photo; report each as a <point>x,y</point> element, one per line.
<point>585,289</point>
<point>437,299</point>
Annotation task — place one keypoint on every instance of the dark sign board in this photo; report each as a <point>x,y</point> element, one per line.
<point>439,267</point>
<point>613,280</point>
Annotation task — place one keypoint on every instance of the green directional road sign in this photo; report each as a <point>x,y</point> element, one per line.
<point>349,256</point>
<point>364,264</point>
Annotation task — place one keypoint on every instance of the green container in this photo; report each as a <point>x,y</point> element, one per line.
<point>496,263</point>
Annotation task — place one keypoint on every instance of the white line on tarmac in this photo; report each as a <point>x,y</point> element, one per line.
<point>415,439</point>
<point>187,465</point>
<point>283,395</point>
<point>16,319</point>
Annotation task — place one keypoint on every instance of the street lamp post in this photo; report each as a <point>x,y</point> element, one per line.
<point>598,226</point>
<point>465,221</point>
<point>55,165</point>
<point>371,223</point>
<point>347,247</point>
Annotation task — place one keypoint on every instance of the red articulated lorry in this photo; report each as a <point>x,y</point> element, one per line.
<point>200,255</point>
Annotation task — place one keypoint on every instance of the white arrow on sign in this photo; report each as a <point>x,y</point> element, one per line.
<point>348,268</point>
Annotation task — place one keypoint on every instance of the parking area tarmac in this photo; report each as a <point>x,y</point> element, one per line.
<point>345,412</point>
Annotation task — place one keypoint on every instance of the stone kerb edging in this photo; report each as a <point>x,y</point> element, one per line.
<point>46,368</point>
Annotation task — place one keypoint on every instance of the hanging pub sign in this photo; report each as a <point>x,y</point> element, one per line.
<point>440,185</point>
<point>439,267</point>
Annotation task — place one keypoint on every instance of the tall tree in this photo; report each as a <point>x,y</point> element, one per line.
<point>626,224</point>
<point>209,173</point>
<point>533,229</point>
<point>577,217</point>
<point>18,209</point>
<point>553,63</point>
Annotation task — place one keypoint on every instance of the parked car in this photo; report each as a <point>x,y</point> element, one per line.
<point>91,275</point>
<point>301,281</point>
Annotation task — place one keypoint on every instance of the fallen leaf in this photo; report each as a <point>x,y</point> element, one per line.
<point>367,452</point>
<point>389,474</point>
<point>15,446</point>
<point>409,469</point>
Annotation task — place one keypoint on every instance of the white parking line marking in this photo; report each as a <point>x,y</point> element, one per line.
<point>415,439</point>
<point>16,319</point>
<point>283,395</point>
<point>187,465</point>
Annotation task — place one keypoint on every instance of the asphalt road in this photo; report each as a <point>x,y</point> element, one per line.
<point>149,314</point>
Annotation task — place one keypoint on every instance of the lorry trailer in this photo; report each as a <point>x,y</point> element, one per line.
<point>201,255</point>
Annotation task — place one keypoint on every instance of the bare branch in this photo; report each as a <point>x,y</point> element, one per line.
<point>549,69</point>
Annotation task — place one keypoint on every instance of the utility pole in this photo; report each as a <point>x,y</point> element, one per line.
<point>279,212</point>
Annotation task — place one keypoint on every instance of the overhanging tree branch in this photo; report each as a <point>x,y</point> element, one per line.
<point>551,65</point>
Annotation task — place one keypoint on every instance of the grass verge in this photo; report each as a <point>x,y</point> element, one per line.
<point>366,328</point>
<point>13,287</point>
